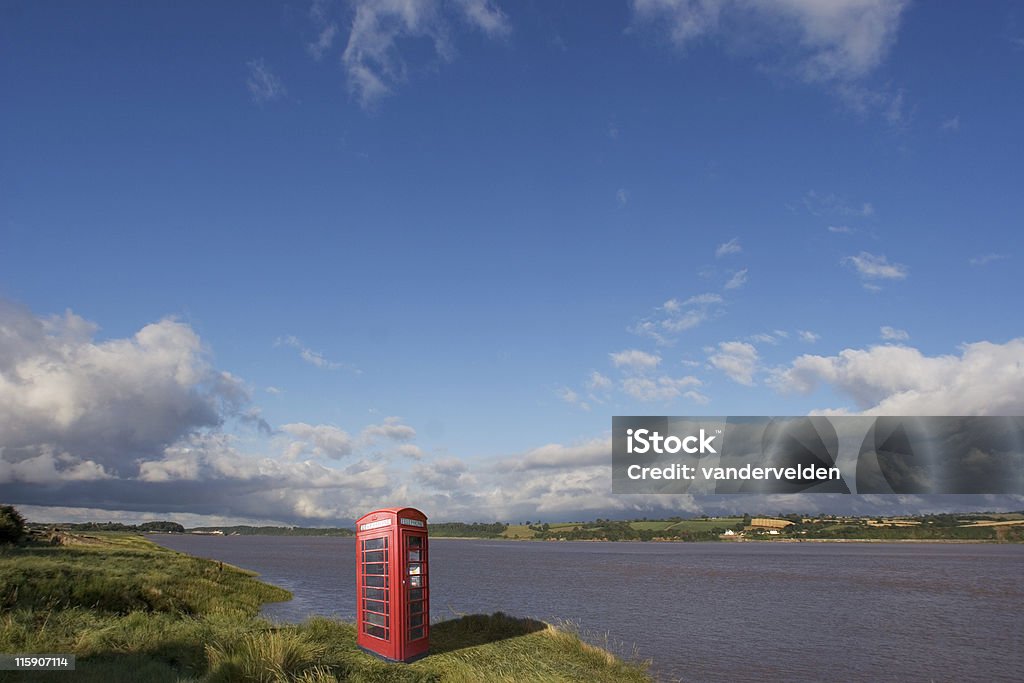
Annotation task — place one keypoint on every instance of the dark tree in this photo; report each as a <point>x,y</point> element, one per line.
<point>12,524</point>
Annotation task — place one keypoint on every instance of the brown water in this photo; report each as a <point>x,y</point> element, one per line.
<point>705,611</point>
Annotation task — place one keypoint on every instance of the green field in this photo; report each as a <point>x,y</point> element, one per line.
<point>705,524</point>
<point>660,525</point>
<point>133,611</point>
<point>522,531</point>
<point>518,531</point>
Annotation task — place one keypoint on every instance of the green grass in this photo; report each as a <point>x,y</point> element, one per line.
<point>659,525</point>
<point>518,531</point>
<point>133,611</point>
<point>705,524</point>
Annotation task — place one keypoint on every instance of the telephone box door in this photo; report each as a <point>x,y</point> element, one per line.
<point>415,596</point>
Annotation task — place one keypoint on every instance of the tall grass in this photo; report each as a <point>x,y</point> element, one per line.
<point>132,611</point>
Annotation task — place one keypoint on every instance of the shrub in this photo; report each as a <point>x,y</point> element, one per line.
<point>12,524</point>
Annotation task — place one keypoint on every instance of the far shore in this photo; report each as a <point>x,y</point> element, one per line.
<point>952,541</point>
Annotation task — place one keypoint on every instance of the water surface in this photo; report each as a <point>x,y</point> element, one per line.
<point>705,611</point>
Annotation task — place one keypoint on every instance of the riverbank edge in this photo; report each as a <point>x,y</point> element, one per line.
<point>470,647</point>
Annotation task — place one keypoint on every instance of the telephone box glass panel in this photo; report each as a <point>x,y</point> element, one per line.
<point>375,590</point>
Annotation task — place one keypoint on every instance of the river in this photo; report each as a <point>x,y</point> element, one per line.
<point>704,611</point>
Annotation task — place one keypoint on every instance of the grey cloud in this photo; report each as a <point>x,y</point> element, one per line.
<point>114,402</point>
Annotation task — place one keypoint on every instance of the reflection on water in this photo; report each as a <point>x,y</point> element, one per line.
<point>705,611</point>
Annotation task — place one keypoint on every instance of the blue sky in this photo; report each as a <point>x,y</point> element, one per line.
<point>341,253</point>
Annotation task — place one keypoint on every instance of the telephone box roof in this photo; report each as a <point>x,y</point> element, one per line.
<point>392,511</point>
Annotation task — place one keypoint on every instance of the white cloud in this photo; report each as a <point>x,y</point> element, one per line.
<point>555,455</point>
<point>323,42</point>
<point>391,428</point>
<point>808,336</point>
<point>876,267</point>
<point>485,16</point>
<point>841,229</point>
<point>410,450</point>
<point>272,390</point>
<point>568,395</point>
<point>137,421</point>
<point>314,358</point>
<point>263,84</point>
<point>684,321</point>
<point>571,397</point>
<point>324,441</point>
<point>951,124</point>
<point>985,379</point>
<point>675,316</point>
<point>863,101</point>
<point>836,42</point>
<point>622,196</point>
<point>738,279</point>
<point>985,259</point>
<point>893,334</point>
<point>730,247</point>
<point>830,204</point>
<point>658,389</point>
<point>598,382</point>
<point>372,57</point>
<point>635,360</point>
<point>738,360</point>
<point>701,300</point>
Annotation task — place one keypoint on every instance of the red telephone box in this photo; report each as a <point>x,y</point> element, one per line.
<point>393,607</point>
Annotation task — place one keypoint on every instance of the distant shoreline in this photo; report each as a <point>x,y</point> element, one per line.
<point>953,541</point>
<point>766,540</point>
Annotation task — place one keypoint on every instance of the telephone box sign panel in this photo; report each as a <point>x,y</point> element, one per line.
<point>392,580</point>
<point>375,525</point>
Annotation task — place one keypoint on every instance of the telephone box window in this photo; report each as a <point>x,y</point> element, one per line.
<point>415,581</point>
<point>414,555</point>
<point>416,594</point>
<point>415,542</point>
<point>416,633</point>
<point>374,585</point>
<point>378,619</point>
<point>414,569</point>
<point>376,606</point>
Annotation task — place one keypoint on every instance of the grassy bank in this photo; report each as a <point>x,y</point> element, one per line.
<point>131,610</point>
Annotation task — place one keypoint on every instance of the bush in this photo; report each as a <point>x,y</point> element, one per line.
<point>12,524</point>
